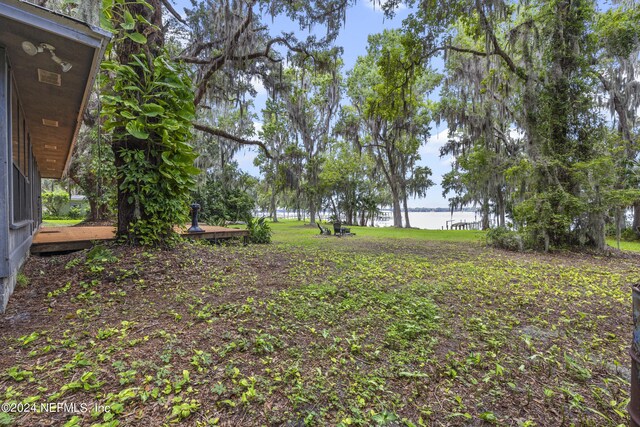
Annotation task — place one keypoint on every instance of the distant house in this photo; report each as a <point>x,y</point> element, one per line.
<point>48,63</point>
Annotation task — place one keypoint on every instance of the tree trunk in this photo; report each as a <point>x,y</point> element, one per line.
<point>274,210</point>
<point>406,210</point>
<point>636,217</point>
<point>126,210</point>
<point>500,208</point>
<point>93,210</point>
<point>130,212</point>
<point>312,210</point>
<point>621,219</point>
<point>597,230</point>
<point>485,214</point>
<point>335,208</point>
<point>397,210</point>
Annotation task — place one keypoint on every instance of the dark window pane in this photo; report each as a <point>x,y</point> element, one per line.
<point>15,126</point>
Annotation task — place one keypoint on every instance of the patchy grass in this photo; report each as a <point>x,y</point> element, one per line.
<point>60,222</point>
<point>311,330</point>
<point>297,233</point>
<point>625,246</point>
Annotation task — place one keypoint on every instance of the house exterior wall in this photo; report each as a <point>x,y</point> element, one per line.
<point>16,231</point>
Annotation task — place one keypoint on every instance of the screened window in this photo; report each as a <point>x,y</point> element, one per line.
<point>21,155</point>
<point>15,126</point>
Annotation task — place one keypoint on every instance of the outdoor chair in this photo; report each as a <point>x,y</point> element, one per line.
<point>339,230</point>
<point>323,230</point>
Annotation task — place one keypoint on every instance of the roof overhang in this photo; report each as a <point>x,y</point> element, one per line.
<point>53,100</point>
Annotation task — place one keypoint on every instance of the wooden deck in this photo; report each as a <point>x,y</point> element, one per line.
<point>62,239</point>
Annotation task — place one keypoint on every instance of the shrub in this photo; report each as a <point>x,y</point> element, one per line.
<point>259,230</point>
<point>503,238</point>
<point>76,212</point>
<point>54,201</point>
<point>220,204</point>
<point>629,234</point>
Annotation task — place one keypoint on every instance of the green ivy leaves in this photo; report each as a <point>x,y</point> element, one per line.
<point>151,101</point>
<point>152,110</point>
<point>136,129</point>
<point>137,37</point>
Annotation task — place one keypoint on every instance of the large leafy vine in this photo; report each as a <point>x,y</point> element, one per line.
<point>148,108</point>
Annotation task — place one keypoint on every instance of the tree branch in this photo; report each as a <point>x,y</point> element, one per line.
<point>174,12</point>
<point>217,63</point>
<point>497,49</point>
<point>219,132</point>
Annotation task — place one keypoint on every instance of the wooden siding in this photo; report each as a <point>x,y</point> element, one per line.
<point>4,168</point>
<point>15,235</point>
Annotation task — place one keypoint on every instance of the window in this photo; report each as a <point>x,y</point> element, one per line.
<point>15,126</point>
<point>21,155</point>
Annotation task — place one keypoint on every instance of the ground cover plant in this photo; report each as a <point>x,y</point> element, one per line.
<point>422,328</point>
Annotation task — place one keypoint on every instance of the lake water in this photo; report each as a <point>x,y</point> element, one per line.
<point>433,220</point>
<point>424,220</point>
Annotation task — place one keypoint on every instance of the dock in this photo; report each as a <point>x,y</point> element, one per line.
<point>63,239</point>
<point>464,225</point>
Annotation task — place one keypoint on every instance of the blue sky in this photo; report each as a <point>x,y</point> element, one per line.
<point>362,20</point>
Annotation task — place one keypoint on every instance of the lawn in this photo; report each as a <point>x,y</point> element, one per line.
<point>388,327</point>
<point>625,246</point>
<point>60,222</point>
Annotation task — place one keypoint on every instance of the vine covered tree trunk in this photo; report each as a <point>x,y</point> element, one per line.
<point>125,204</point>
<point>150,122</point>
<point>130,211</point>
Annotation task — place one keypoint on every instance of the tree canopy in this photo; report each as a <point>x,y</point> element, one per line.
<point>540,99</point>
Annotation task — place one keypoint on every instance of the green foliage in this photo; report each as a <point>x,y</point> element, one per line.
<point>503,238</point>
<point>389,88</point>
<point>100,254</point>
<point>93,170</point>
<point>158,109</point>
<point>259,230</point>
<point>629,235</point>
<point>619,29</point>
<point>22,279</point>
<point>351,179</point>
<point>225,198</point>
<point>548,217</point>
<point>563,174</point>
<point>148,108</point>
<point>54,201</point>
<point>76,212</point>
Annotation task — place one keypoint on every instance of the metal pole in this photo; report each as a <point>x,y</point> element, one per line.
<point>194,219</point>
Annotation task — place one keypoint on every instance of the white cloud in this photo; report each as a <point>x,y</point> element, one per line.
<point>258,86</point>
<point>447,161</point>
<point>257,127</point>
<point>245,159</point>
<point>377,5</point>
<point>516,133</point>
<point>433,145</point>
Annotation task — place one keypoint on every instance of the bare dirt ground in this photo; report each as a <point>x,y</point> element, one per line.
<point>347,332</point>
